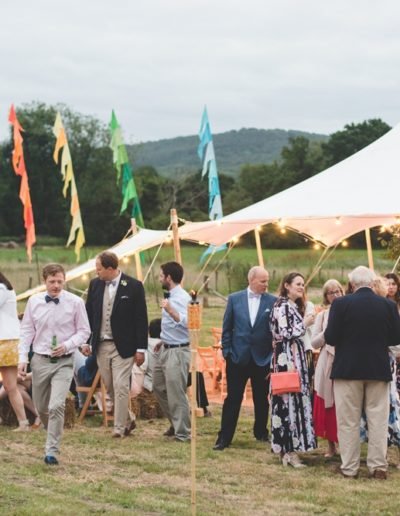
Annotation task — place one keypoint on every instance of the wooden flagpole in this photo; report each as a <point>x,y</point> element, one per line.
<point>139,271</point>
<point>194,322</point>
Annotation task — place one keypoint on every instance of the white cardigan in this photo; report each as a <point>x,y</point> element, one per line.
<point>9,323</point>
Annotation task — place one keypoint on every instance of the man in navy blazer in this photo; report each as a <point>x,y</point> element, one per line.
<point>247,349</point>
<point>362,326</point>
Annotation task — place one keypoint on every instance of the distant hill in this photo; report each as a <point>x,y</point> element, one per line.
<point>178,156</point>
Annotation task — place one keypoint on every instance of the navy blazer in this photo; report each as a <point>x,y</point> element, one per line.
<point>240,340</point>
<point>362,326</point>
<point>128,317</point>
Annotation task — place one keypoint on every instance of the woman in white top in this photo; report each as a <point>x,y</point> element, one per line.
<point>9,337</point>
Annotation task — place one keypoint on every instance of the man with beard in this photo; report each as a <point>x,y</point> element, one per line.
<point>172,356</point>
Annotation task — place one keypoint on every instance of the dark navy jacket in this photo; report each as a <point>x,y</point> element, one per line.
<point>240,340</point>
<point>362,326</point>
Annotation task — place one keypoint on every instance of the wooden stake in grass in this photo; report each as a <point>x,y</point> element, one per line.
<point>194,323</point>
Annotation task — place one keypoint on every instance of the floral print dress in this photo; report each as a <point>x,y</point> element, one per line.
<point>291,414</point>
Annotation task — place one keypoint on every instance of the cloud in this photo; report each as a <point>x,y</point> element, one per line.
<point>257,63</point>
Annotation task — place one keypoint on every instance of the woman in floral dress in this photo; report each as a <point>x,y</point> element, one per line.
<point>291,415</point>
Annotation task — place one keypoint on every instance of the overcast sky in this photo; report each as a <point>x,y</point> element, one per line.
<point>290,64</point>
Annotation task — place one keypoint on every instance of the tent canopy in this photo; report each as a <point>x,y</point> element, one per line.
<point>358,193</point>
<point>144,239</point>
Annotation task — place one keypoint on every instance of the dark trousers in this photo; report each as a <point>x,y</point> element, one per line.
<point>236,379</point>
<point>201,393</point>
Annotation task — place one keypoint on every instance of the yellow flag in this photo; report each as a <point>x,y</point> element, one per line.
<point>76,232</point>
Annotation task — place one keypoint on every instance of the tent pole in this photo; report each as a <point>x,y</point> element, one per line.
<point>175,235</point>
<point>369,249</point>
<point>138,264</point>
<point>259,248</point>
<point>139,272</point>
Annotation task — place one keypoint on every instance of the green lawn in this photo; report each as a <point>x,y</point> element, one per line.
<point>149,474</point>
<point>226,273</point>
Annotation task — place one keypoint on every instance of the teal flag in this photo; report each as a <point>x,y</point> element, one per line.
<point>124,172</point>
<point>206,154</point>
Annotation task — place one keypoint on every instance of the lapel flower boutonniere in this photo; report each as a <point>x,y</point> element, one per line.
<point>124,283</point>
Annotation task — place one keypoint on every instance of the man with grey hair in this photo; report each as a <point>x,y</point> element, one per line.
<point>247,349</point>
<point>362,326</point>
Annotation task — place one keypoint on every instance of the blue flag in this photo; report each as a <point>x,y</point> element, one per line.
<point>206,154</point>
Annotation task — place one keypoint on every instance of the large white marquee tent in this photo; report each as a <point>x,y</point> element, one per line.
<point>358,193</point>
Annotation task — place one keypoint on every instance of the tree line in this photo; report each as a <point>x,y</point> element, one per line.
<point>100,196</point>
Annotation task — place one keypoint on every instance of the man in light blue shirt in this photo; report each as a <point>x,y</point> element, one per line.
<point>172,356</point>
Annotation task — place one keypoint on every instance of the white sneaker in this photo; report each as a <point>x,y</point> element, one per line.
<point>293,460</point>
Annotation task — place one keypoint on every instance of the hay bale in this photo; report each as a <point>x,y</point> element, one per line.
<point>146,406</point>
<point>70,413</point>
<point>8,416</point>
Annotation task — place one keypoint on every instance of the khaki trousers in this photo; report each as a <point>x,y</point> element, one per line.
<point>351,396</point>
<point>116,372</point>
<point>50,386</point>
<point>170,376</point>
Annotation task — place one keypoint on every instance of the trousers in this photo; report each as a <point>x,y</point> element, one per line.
<point>170,375</point>
<point>50,386</point>
<point>350,398</point>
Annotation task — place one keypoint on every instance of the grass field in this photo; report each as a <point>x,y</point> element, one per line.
<point>148,474</point>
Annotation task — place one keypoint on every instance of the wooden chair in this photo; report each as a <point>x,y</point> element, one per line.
<point>207,363</point>
<point>220,366</point>
<point>96,387</point>
<point>216,335</point>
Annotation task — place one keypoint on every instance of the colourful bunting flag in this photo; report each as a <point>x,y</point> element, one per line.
<point>18,162</point>
<point>124,172</point>
<point>207,155</point>
<point>67,172</point>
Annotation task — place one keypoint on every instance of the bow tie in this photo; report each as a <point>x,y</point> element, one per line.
<point>54,299</point>
<point>112,282</point>
<point>254,296</point>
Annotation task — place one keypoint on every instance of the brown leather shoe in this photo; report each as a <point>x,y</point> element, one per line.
<point>351,477</point>
<point>129,428</point>
<point>379,474</point>
<point>116,435</point>
<point>170,432</point>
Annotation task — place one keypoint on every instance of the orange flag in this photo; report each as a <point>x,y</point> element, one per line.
<point>24,194</point>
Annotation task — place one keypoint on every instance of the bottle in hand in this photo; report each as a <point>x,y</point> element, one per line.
<point>53,360</point>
